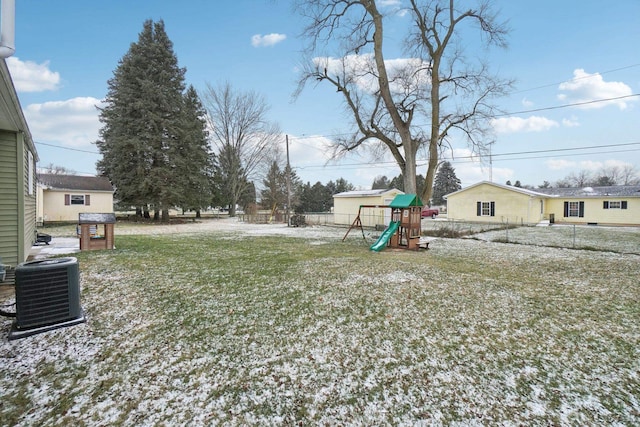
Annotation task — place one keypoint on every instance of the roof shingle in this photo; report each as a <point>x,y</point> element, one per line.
<point>75,182</point>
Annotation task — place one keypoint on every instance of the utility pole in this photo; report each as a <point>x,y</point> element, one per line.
<point>288,183</point>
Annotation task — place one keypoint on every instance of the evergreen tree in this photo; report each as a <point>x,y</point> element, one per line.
<point>230,177</point>
<point>397,183</point>
<point>274,194</point>
<point>192,159</point>
<point>380,182</point>
<point>248,196</point>
<point>143,125</point>
<point>315,198</point>
<point>342,186</point>
<point>446,182</point>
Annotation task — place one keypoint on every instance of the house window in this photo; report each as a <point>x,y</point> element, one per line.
<point>574,209</point>
<point>614,204</point>
<point>77,199</point>
<point>486,208</point>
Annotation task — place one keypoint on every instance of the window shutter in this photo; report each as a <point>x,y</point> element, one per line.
<point>605,205</point>
<point>87,199</point>
<point>566,209</point>
<point>581,210</point>
<point>493,208</point>
<point>479,208</point>
<point>67,199</point>
<point>623,204</point>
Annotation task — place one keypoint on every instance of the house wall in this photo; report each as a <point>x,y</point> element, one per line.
<point>27,199</point>
<point>509,206</point>
<point>595,213</point>
<point>17,198</point>
<point>8,198</point>
<point>345,209</point>
<point>55,210</point>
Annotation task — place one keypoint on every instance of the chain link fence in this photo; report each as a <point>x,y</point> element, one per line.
<point>587,237</point>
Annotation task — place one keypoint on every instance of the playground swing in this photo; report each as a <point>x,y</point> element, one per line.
<point>404,230</point>
<point>357,223</point>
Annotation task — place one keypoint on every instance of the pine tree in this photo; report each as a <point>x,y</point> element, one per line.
<point>192,159</point>
<point>342,185</point>
<point>144,125</point>
<point>274,194</point>
<point>380,182</point>
<point>446,182</point>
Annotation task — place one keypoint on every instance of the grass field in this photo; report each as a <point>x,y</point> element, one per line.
<point>243,328</point>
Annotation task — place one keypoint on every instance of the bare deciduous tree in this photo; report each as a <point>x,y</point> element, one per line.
<point>391,101</point>
<point>57,170</point>
<point>242,135</point>
<point>629,175</point>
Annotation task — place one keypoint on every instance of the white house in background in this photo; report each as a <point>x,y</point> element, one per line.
<point>346,206</point>
<point>62,197</point>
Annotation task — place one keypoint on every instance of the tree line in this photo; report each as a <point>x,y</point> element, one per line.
<point>445,182</point>
<point>162,145</point>
<point>604,177</point>
<point>165,145</point>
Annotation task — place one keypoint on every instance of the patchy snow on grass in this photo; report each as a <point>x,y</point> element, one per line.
<point>225,323</point>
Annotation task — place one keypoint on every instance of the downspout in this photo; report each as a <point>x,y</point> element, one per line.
<point>7,28</point>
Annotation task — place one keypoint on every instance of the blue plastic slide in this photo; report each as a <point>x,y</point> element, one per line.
<point>381,243</point>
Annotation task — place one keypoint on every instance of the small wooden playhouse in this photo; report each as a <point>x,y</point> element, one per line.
<point>405,229</point>
<point>406,210</point>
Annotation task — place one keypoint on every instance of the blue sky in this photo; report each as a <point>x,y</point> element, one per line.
<point>560,53</point>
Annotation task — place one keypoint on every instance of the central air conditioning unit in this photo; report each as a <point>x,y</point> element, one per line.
<point>47,296</point>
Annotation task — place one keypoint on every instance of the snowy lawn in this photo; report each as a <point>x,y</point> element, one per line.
<point>268,325</point>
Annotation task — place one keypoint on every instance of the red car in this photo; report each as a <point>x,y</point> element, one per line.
<point>432,212</point>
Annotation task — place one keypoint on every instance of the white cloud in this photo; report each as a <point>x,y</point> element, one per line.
<point>559,164</point>
<point>405,74</point>
<point>389,3</point>
<point>617,164</point>
<point>591,165</point>
<point>73,122</point>
<point>29,76</point>
<point>571,122</point>
<point>472,168</point>
<point>585,87</point>
<point>526,103</point>
<point>267,40</point>
<point>517,124</point>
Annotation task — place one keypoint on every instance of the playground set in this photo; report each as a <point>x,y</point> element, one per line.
<point>404,230</point>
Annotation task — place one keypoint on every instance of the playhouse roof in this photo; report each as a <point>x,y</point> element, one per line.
<point>406,200</point>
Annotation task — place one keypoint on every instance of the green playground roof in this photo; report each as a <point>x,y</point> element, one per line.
<point>406,200</point>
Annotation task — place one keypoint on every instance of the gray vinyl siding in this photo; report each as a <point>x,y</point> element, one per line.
<point>9,205</point>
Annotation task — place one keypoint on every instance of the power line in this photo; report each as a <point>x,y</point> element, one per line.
<point>458,159</point>
<point>473,158</point>
<point>567,149</point>
<point>329,136</point>
<point>575,79</point>
<point>66,148</point>
<point>575,104</point>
